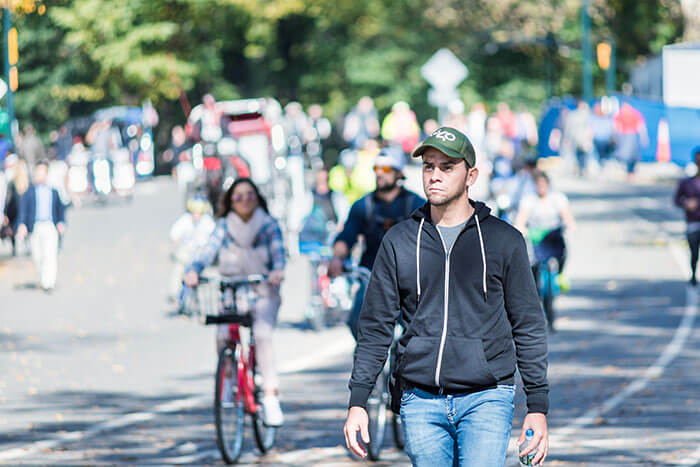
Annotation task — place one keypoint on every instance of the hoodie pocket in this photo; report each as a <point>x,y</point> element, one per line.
<point>464,364</point>
<point>419,358</point>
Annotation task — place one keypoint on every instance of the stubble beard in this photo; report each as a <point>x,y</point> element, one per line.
<point>388,187</point>
<point>439,201</point>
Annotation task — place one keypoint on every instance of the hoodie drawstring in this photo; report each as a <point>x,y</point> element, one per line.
<point>483,252</point>
<point>420,230</point>
<point>483,257</point>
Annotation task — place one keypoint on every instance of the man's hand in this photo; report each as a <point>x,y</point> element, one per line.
<point>275,277</point>
<point>690,204</point>
<point>357,421</point>
<point>61,227</point>
<point>191,279</point>
<point>540,441</point>
<point>22,232</point>
<point>335,267</point>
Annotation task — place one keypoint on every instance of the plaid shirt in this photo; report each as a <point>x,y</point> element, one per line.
<point>270,235</point>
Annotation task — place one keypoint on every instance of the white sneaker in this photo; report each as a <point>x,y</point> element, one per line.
<point>272,412</point>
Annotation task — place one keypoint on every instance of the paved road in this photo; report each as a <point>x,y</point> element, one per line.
<point>99,373</point>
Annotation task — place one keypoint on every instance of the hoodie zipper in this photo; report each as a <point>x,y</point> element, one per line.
<point>438,367</point>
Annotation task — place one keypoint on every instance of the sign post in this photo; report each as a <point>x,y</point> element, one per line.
<point>10,68</point>
<point>444,72</point>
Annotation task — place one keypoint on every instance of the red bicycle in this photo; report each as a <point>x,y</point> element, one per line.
<point>236,392</point>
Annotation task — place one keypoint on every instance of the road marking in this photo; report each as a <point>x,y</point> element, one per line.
<point>558,435</point>
<point>656,370</point>
<point>314,360</point>
<point>693,459</point>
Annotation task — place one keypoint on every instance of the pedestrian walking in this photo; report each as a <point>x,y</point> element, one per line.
<point>41,215</point>
<point>361,124</point>
<point>602,127</point>
<point>31,149</point>
<point>688,197</point>
<point>400,127</point>
<point>17,177</point>
<point>630,136</point>
<point>460,280</point>
<point>579,134</point>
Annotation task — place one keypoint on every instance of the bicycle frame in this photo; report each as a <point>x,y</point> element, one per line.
<point>244,371</point>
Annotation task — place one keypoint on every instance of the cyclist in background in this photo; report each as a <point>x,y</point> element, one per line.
<point>372,216</point>
<point>189,233</point>
<point>247,240</point>
<point>541,217</point>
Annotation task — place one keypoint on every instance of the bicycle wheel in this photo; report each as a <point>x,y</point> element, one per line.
<point>399,437</point>
<point>548,296</point>
<point>376,410</point>
<point>264,435</point>
<point>228,408</point>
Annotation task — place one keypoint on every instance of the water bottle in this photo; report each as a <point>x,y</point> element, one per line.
<point>527,458</point>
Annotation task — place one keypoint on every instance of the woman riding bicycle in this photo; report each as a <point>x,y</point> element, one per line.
<point>247,240</point>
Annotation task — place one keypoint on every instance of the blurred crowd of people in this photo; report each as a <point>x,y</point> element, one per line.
<point>593,137</point>
<point>31,207</point>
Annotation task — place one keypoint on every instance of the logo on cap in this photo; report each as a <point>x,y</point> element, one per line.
<point>443,135</point>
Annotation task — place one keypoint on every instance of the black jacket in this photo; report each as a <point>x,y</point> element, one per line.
<point>461,336</point>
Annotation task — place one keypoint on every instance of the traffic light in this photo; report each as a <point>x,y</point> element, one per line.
<point>12,49</point>
<point>14,79</point>
<point>603,51</point>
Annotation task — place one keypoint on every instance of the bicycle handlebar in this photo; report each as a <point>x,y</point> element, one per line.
<point>355,270</point>
<point>230,318</point>
<point>233,282</point>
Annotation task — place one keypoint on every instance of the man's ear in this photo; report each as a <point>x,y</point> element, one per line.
<point>472,175</point>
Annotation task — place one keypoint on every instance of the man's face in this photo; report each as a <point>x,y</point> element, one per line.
<point>387,177</point>
<point>40,174</point>
<point>445,178</point>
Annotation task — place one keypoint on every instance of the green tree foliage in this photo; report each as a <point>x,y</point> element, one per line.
<point>86,54</point>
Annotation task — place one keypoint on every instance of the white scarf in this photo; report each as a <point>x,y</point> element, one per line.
<point>240,257</point>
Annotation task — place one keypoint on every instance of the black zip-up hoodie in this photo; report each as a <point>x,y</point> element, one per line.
<point>473,304</point>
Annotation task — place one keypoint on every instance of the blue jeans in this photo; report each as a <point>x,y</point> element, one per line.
<point>458,430</point>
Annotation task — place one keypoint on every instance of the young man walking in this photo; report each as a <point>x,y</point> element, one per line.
<point>41,215</point>
<point>461,281</point>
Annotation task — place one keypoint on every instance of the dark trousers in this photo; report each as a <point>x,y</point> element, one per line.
<point>694,244</point>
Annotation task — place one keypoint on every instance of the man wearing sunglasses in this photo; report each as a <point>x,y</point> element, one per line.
<point>372,216</point>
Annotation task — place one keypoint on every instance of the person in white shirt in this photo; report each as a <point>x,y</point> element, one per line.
<point>42,217</point>
<point>188,234</point>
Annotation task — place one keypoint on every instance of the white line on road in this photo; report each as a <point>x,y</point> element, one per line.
<point>656,370</point>
<point>692,459</point>
<point>340,347</point>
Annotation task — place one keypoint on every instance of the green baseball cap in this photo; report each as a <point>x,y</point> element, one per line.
<point>451,142</point>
